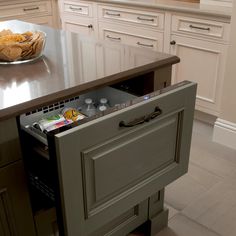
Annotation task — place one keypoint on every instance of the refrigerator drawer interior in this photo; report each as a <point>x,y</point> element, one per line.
<point>28,120</point>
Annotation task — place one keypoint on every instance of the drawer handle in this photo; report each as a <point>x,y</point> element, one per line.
<point>142,119</point>
<point>90,26</point>
<point>112,14</point>
<point>146,19</point>
<point>31,9</point>
<point>76,8</point>
<point>110,37</point>
<point>145,45</point>
<point>201,28</point>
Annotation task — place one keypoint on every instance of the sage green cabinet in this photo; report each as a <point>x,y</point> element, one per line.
<point>15,211</point>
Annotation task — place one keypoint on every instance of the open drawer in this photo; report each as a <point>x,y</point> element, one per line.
<point>113,161</point>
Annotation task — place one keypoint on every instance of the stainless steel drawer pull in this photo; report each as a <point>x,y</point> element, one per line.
<point>142,119</point>
<point>76,8</point>
<point>145,45</point>
<point>115,38</point>
<point>31,9</point>
<point>146,19</point>
<point>201,28</point>
<point>112,14</point>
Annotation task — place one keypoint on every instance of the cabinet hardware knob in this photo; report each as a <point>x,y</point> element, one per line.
<point>200,28</point>
<point>142,119</point>
<point>76,8</point>
<point>90,26</point>
<point>172,42</point>
<point>31,9</point>
<point>115,38</point>
<point>145,19</point>
<point>112,14</point>
<point>145,45</point>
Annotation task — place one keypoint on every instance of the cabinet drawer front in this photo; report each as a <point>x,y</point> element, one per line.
<point>149,40</point>
<point>200,27</point>
<point>142,18</point>
<point>26,9</point>
<point>82,9</point>
<point>108,167</point>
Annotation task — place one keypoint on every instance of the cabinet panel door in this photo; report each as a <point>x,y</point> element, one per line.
<point>80,25</point>
<point>15,212</point>
<point>104,168</point>
<point>202,62</point>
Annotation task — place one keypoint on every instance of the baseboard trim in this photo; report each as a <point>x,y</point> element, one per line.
<point>225,133</point>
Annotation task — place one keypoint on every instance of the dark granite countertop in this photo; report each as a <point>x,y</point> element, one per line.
<point>72,64</point>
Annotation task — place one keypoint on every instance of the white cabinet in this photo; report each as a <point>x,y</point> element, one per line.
<point>78,17</point>
<point>38,12</point>
<point>201,42</point>
<point>201,46</point>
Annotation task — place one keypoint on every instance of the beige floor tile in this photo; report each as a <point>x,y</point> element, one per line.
<point>180,225</point>
<point>212,163</point>
<point>189,187</point>
<point>216,209</point>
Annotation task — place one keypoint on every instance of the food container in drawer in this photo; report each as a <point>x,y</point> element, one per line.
<point>142,18</point>
<point>201,27</point>
<point>83,9</point>
<point>26,9</point>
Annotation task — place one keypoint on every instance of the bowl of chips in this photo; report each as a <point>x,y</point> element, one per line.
<point>21,47</point>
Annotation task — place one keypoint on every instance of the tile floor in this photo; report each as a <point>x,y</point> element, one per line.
<point>203,202</point>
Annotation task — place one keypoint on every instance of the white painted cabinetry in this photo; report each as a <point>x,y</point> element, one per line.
<point>201,42</point>
<point>202,47</point>
<point>38,12</point>
<point>78,17</point>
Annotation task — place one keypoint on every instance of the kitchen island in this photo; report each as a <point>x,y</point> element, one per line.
<point>104,175</point>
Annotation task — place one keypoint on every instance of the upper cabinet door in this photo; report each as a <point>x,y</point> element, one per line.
<point>114,162</point>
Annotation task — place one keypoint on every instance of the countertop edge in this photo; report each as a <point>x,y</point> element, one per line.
<point>24,107</point>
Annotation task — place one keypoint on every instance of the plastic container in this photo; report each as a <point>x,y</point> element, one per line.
<point>103,104</point>
<point>88,108</point>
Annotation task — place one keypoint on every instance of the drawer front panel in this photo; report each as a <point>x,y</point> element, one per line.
<point>26,9</point>
<point>200,27</point>
<point>141,18</point>
<point>150,40</point>
<point>82,9</point>
<point>110,168</point>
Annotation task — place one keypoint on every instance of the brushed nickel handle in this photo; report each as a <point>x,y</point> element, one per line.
<point>31,9</point>
<point>145,19</point>
<point>200,28</point>
<point>112,14</point>
<point>172,42</point>
<point>145,45</point>
<point>142,119</point>
<point>115,38</point>
<point>76,8</point>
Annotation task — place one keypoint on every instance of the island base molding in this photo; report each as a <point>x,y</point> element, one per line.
<point>225,133</point>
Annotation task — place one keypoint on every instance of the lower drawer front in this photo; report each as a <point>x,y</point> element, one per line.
<point>46,222</point>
